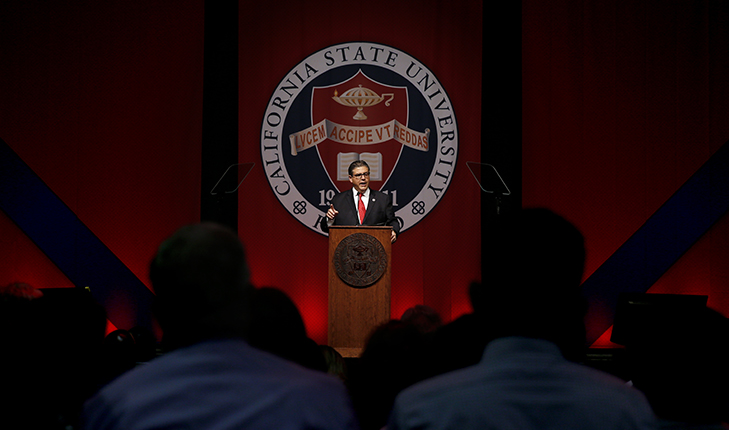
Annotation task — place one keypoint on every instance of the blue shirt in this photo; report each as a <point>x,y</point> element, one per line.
<point>522,384</point>
<point>220,384</point>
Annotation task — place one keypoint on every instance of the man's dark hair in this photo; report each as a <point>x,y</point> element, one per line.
<point>201,280</point>
<point>357,163</point>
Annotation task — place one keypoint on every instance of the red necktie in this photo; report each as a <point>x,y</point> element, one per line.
<point>361,209</point>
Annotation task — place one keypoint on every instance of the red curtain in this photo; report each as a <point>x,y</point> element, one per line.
<point>104,103</point>
<point>622,103</point>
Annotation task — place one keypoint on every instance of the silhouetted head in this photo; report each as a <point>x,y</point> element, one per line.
<point>277,327</point>
<point>275,316</point>
<point>424,318</point>
<point>531,279</point>
<point>66,324</point>
<point>201,280</point>
<point>392,360</point>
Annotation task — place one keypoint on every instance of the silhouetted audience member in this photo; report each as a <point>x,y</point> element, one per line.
<point>424,318</point>
<point>145,344</point>
<point>532,304</point>
<point>451,346</point>
<point>18,292</point>
<point>125,349</point>
<point>211,377</point>
<point>118,354</point>
<point>277,327</point>
<point>679,360</point>
<point>456,345</point>
<point>393,358</point>
<point>336,364</point>
<point>51,348</point>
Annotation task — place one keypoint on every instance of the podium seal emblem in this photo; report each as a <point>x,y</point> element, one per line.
<point>360,260</point>
<point>359,101</point>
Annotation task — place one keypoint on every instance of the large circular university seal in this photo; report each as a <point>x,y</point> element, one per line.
<point>360,260</point>
<point>359,101</point>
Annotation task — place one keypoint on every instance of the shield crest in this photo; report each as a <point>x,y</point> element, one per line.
<point>360,113</point>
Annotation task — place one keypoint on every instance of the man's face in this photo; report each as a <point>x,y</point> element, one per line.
<point>360,178</point>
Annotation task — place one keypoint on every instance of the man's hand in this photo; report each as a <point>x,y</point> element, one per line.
<point>393,236</point>
<point>331,213</point>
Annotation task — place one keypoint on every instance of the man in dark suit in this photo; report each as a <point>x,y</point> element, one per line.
<point>361,205</point>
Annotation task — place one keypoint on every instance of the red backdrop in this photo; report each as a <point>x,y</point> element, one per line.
<point>622,103</point>
<point>104,103</point>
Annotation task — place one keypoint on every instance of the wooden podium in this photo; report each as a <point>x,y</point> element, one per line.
<point>359,285</point>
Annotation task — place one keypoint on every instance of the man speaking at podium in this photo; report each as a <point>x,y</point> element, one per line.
<point>361,205</point>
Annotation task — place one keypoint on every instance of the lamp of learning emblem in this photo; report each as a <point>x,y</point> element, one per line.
<point>361,97</point>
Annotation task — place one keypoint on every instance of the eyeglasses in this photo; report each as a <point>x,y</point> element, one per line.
<point>359,175</point>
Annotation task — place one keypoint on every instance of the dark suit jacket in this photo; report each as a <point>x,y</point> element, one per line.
<point>379,211</point>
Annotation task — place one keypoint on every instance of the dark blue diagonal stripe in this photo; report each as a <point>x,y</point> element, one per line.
<point>69,244</point>
<point>660,242</point>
